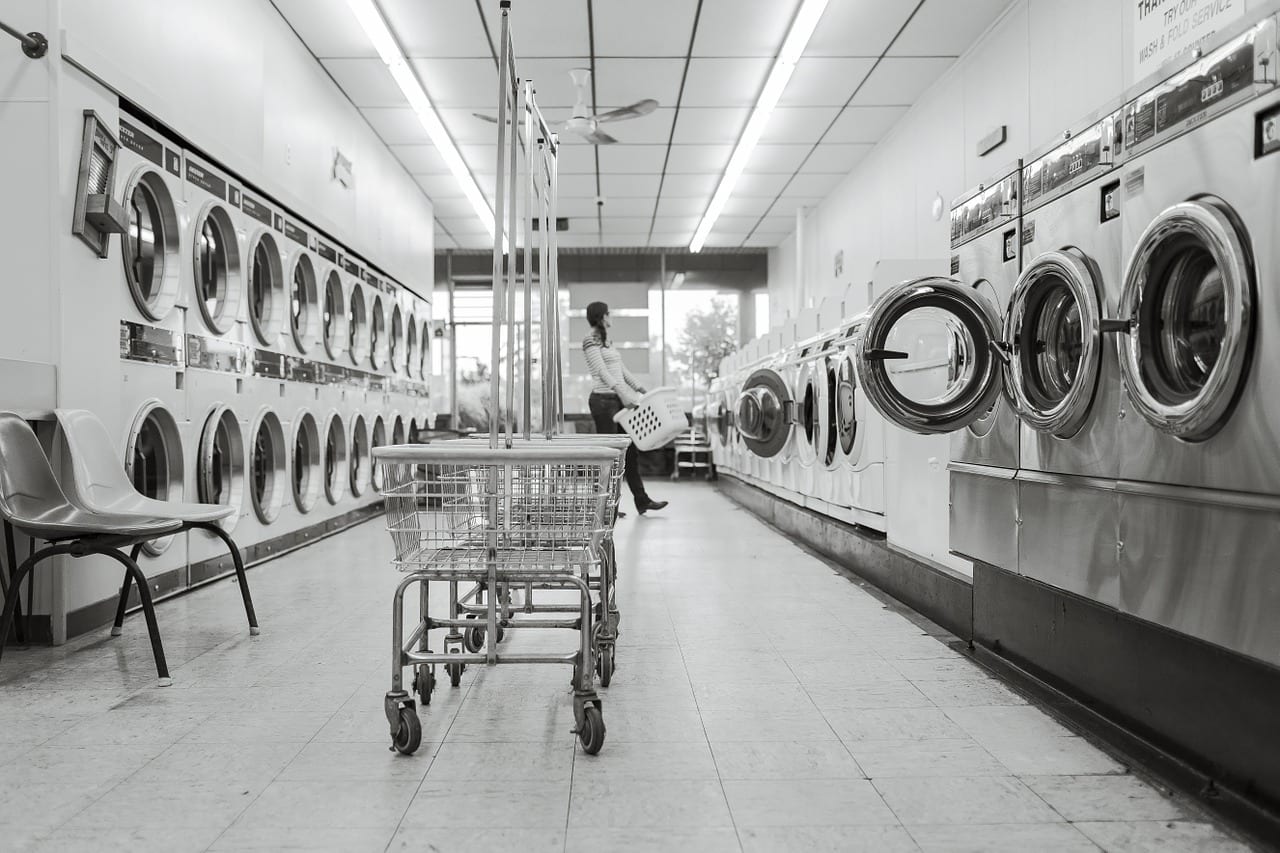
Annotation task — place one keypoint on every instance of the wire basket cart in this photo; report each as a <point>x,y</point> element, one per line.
<point>460,513</point>
<point>471,603</point>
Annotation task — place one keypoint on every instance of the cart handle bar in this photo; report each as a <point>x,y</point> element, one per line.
<point>460,453</point>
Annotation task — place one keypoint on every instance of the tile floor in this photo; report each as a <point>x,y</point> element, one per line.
<point>762,702</point>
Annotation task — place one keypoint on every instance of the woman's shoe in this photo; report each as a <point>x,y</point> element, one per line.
<point>651,504</point>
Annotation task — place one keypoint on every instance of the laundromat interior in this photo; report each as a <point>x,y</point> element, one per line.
<point>743,425</point>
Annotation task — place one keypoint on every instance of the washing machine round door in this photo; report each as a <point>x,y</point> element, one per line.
<point>216,259</point>
<point>846,416</point>
<point>809,405</point>
<point>220,463</point>
<point>150,244</point>
<point>267,467</point>
<point>1054,330</point>
<point>153,460</point>
<point>722,419</point>
<point>829,453</point>
<point>765,412</point>
<point>930,358</point>
<point>1189,297</point>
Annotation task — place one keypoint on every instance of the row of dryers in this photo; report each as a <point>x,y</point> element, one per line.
<point>1105,355</point>
<point>259,362</point>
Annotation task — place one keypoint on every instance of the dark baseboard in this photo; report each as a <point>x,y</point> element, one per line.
<point>1203,717</point>
<point>943,596</point>
<point>186,578</point>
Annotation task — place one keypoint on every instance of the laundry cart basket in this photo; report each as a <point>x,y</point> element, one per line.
<point>504,517</point>
<point>655,420</point>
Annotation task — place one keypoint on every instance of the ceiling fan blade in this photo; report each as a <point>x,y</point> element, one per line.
<point>599,137</point>
<point>483,117</point>
<point>639,108</point>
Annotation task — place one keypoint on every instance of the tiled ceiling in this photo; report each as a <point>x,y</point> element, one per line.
<point>704,61</point>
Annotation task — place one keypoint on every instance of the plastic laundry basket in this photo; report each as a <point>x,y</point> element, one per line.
<point>655,420</point>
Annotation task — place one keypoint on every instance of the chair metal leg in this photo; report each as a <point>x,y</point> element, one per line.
<point>118,628</point>
<point>12,558</point>
<point>238,561</point>
<point>11,601</point>
<point>148,610</point>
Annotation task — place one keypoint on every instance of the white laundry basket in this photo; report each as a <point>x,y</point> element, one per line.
<point>656,419</point>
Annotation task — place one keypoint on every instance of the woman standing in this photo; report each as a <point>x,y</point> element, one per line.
<point>613,388</point>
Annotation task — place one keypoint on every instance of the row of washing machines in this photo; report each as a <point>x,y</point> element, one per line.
<point>260,362</point>
<point>1104,353</point>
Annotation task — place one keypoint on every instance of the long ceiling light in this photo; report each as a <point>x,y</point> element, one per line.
<point>375,27</point>
<point>802,27</point>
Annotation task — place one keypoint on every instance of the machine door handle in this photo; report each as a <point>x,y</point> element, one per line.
<point>1113,326</point>
<point>1000,349</point>
<point>884,354</point>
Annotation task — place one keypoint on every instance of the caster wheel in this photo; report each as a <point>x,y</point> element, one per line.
<point>604,665</point>
<point>409,738</point>
<point>424,682</point>
<point>502,634</point>
<point>473,640</point>
<point>591,735</point>
<point>455,672</point>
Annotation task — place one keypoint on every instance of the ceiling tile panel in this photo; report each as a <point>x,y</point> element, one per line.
<point>747,205</point>
<point>698,159</point>
<point>435,27</point>
<point>675,224</point>
<point>633,186</point>
<point>474,241</point>
<point>627,224</point>
<point>947,27</point>
<point>541,28</point>
<point>577,185</point>
<point>825,81</point>
<point>439,186</point>
<point>766,240</point>
<point>453,208</point>
<point>814,184</point>
<point>628,206</point>
<point>744,27</point>
<point>582,225</point>
<point>710,125</point>
<point>632,158</point>
<point>576,160</point>
<point>552,84</point>
<point>679,239</point>
<point>864,124</point>
<point>761,185</point>
<point>736,224</point>
<point>420,159</point>
<point>675,206</point>
<point>620,82</point>
<point>460,225</point>
<point>576,206</point>
<point>686,186</point>
<point>798,124</point>
<point>719,82</point>
<point>327,27</point>
<point>837,156</point>
<point>466,129</point>
<point>367,82</point>
<point>570,240</point>
<point>653,129</point>
<point>471,83</point>
<point>860,27</point>
<point>444,242</point>
<point>901,80</point>
<point>397,125</point>
<point>480,159</point>
<point>773,157</point>
<point>719,239</point>
<point>650,28</point>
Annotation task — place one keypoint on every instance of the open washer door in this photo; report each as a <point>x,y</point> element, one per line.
<point>765,413</point>
<point>931,359</point>
<point>1189,299</point>
<point>1054,328</point>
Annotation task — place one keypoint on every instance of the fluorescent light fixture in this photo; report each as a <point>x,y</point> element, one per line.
<point>793,46</point>
<point>375,27</point>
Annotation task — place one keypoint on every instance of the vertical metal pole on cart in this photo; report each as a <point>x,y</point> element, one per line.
<point>513,255</point>
<point>528,260</point>
<point>495,386</point>
<point>553,304</point>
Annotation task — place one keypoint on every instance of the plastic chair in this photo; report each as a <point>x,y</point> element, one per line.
<point>99,483</point>
<point>33,502</point>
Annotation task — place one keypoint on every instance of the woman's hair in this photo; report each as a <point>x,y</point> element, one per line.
<point>595,317</point>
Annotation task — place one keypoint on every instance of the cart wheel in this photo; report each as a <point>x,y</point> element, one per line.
<point>409,738</point>
<point>424,682</point>
<point>592,732</point>
<point>473,640</point>
<point>501,634</point>
<point>455,671</point>
<point>604,665</point>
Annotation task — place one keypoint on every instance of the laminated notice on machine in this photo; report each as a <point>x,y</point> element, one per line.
<point>1164,30</point>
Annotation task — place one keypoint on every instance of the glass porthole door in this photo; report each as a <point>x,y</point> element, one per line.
<point>220,462</point>
<point>765,413</point>
<point>930,358</point>
<point>1189,302</point>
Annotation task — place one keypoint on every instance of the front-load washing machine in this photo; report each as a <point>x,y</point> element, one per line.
<point>303,274</point>
<point>1199,488</point>
<point>1063,377</point>
<point>814,486</point>
<point>766,420</point>
<point>333,304</point>
<point>856,437</point>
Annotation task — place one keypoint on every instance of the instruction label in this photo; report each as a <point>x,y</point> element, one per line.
<point>1167,29</point>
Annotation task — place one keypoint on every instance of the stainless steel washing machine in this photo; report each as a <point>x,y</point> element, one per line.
<point>1063,377</point>
<point>1200,429</point>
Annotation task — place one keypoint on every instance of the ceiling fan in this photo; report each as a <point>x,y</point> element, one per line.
<point>586,126</point>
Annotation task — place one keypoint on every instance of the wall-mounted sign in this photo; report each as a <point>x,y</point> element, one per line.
<point>839,264</point>
<point>1166,29</point>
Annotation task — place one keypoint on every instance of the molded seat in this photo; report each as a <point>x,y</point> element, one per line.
<point>32,500</point>
<point>99,482</point>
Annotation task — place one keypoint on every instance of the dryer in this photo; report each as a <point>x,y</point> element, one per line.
<point>1063,377</point>
<point>1199,487</point>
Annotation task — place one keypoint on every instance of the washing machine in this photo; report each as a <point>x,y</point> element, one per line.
<point>766,420</point>
<point>267,403</point>
<point>855,441</point>
<point>1063,377</point>
<point>216,353</point>
<point>814,483</point>
<point>333,303</point>
<point>1199,488</point>
<point>303,273</point>
<point>151,428</point>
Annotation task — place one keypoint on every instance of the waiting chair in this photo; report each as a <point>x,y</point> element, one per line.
<point>99,483</point>
<point>33,502</point>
